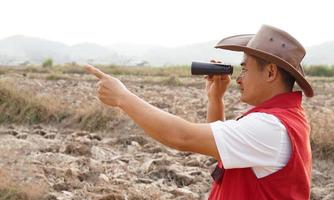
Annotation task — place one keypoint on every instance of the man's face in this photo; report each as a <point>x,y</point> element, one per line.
<point>251,81</point>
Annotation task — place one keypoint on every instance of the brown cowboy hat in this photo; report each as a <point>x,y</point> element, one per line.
<point>273,45</point>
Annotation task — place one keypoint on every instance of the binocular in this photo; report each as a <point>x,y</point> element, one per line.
<point>201,68</point>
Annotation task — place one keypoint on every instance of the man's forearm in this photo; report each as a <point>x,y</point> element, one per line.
<point>160,125</point>
<point>215,110</point>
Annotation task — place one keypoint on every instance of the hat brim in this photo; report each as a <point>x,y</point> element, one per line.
<point>239,43</point>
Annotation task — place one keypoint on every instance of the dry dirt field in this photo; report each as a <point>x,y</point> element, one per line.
<point>79,149</point>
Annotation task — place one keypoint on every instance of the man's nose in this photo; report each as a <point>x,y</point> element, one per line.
<point>238,80</point>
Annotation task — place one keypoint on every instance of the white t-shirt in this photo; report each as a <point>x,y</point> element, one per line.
<point>258,140</point>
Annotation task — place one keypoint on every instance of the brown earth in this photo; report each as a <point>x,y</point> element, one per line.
<point>58,161</point>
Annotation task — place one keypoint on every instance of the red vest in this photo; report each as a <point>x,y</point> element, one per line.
<point>292,181</point>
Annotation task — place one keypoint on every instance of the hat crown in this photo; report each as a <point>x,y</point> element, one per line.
<point>278,43</point>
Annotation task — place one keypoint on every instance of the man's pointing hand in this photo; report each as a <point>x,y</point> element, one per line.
<point>111,91</point>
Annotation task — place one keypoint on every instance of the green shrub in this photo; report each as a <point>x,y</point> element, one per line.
<point>47,63</point>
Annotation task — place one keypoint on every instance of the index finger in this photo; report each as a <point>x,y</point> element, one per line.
<point>95,71</point>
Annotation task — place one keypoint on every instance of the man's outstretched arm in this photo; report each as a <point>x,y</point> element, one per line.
<point>166,128</point>
<point>169,129</point>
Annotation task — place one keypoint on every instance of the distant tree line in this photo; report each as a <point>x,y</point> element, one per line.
<point>319,70</point>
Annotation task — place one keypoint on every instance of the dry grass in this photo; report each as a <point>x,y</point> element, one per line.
<point>322,144</point>
<point>24,107</point>
<point>320,112</point>
<point>322,133</point>
<point>12,189</point>
<point>16,192</point>
<point>94,118</point>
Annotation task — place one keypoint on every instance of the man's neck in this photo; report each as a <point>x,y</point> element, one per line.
<point>272,93</point>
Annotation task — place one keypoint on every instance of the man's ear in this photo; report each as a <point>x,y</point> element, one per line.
<point>272,72</point>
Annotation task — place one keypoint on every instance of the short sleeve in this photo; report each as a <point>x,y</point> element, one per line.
<point>252,141</point>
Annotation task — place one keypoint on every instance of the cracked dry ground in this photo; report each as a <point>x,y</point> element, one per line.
<point>123,163</point>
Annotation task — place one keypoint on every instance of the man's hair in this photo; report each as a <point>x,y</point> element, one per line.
<point>288,79</point>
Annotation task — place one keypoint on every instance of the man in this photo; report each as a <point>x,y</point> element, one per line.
<point>265,154</point>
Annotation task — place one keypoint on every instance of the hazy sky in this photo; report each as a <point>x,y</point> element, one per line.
<point>168,22</point>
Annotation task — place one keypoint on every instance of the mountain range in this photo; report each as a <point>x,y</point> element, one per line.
<point>20,49</point>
